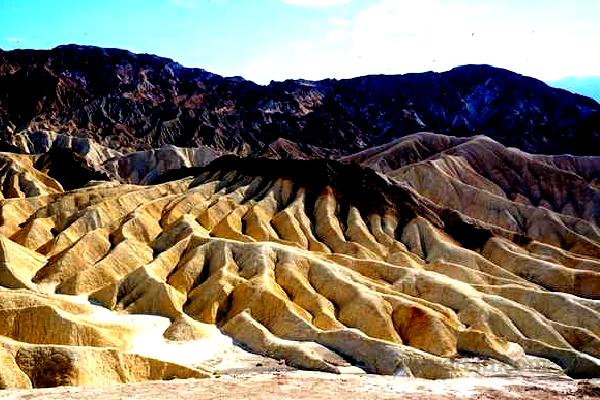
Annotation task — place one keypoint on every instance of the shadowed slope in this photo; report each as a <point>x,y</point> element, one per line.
<point>129,102</point>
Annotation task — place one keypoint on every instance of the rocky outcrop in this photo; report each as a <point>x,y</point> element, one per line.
<point>144,167</point>
<point>127,102</point>
<point>20,178</point>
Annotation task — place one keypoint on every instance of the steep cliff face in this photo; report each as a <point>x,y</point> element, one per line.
<point>132,101</point>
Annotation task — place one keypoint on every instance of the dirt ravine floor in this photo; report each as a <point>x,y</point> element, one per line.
<point>291,384</point>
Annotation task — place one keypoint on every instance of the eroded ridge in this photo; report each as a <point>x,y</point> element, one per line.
<point>316,262</point>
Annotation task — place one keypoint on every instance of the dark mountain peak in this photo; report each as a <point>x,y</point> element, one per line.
<point>480,68</point>
<point>106,54</point>
<point>139,101</point>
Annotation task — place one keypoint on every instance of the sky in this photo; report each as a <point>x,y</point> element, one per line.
<point>265,40</point>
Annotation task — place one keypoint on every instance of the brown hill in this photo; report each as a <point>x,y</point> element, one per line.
<point>129,101</point>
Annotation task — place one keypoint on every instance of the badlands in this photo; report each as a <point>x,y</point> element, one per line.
<point>263,268</point>
<point>327,265</point>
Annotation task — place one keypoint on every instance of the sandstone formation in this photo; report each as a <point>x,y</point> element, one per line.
<point>129,102</point>
<point>321,263</point>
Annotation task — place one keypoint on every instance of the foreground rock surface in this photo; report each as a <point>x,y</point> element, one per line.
<point>311,385</point>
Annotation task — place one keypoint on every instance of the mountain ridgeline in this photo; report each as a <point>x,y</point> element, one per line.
<point>130,101</point>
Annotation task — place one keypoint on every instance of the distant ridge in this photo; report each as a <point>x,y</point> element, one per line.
<point>130,101</point>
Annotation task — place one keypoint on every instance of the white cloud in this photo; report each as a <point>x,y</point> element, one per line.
<point>13,40</point>
<point>340,22</point>
<point>537,38</point>
<point>316,3</point>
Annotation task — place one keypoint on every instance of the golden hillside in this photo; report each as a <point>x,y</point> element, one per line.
<point>323,264</point>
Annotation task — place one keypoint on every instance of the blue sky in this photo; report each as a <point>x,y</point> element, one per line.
<point>277,39</point>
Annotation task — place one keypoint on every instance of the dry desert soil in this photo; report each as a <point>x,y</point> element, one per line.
<point>286,384</point>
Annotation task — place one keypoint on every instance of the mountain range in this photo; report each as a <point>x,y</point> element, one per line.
<point>138,101</point>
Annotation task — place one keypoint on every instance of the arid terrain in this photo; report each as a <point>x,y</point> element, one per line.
<point>321,386</point>
<point>375,259</point>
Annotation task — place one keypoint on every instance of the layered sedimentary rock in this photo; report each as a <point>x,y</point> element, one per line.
<point>320,263</point>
